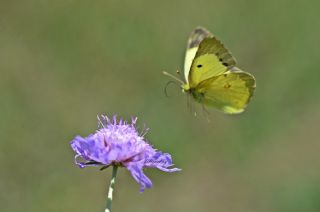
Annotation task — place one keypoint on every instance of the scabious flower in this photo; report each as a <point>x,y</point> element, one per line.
<point>118,143</point>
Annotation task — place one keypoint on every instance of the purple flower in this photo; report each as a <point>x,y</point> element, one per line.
<point>119,143</point>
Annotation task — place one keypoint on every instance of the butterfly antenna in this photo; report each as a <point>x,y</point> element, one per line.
<point>173,77</point>
<point>168,83</point>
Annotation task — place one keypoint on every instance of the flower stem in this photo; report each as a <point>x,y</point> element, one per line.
<point>111,188</point>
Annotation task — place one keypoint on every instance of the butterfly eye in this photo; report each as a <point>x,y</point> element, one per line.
<point>199,66</point>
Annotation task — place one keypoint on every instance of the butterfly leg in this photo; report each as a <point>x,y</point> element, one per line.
<point>190,105</point>
<point>206,113</point>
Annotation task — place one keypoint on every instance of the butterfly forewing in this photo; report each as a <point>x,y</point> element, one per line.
<point>211,59</point>
<point>196,36</point>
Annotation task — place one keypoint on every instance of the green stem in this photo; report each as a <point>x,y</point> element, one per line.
<point>111,188</point>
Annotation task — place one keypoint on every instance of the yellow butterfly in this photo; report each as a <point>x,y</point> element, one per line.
<point>211,76</point>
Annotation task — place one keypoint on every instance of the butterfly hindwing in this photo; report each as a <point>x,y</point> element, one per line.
<point>229,92</point>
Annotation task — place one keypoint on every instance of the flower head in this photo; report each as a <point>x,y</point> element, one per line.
<point>119,143</point>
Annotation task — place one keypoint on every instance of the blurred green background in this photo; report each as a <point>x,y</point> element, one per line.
<point>63,62</point>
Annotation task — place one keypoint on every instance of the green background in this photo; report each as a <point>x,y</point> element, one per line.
<point>63,62</point>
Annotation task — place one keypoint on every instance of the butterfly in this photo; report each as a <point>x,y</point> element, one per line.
<point>211,77</point>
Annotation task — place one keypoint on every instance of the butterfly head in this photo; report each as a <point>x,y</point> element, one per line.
<point>185,87</point>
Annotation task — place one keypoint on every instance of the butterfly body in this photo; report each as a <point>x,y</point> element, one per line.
<point>212,78</point>
<point>197,95</point>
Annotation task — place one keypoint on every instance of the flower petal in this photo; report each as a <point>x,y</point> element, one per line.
<point>136,170</point>
<point>161,161</point>
<point>88,148</point>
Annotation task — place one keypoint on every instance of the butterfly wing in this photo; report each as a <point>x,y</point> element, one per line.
<point>211,59</point>
<point>229,92</point>
<point>197,35</point>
